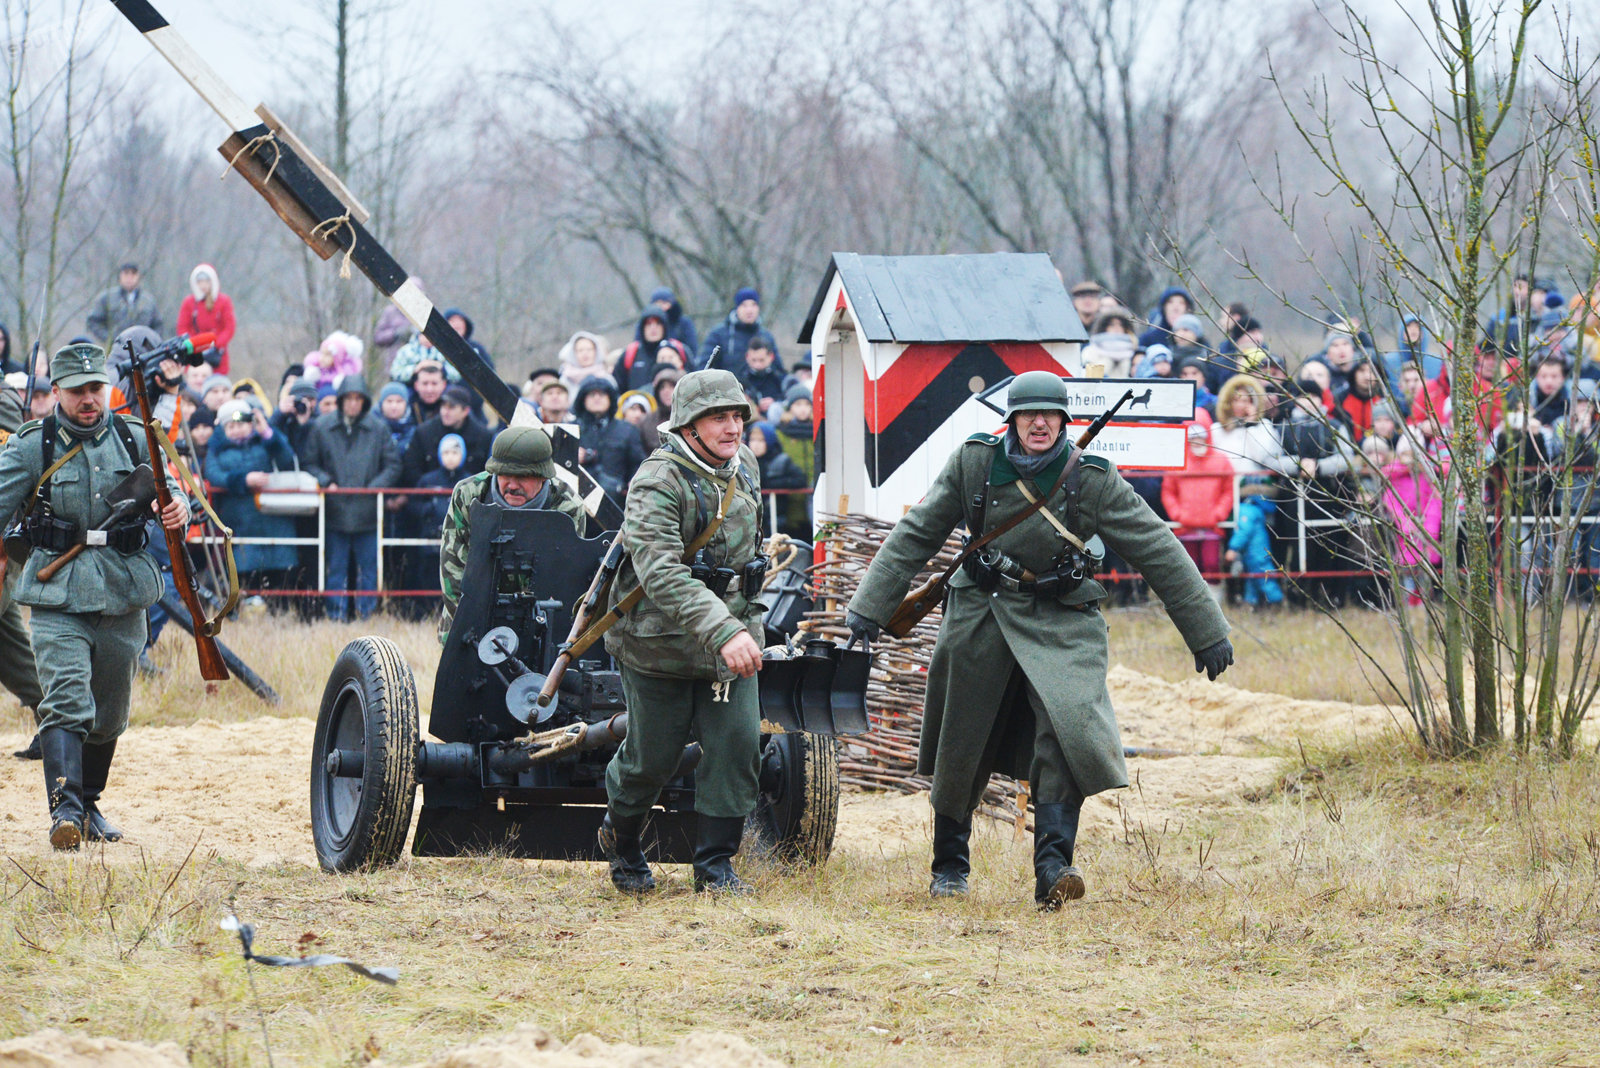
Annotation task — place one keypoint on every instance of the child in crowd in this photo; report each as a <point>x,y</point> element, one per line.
<point>1199,499</point>
<point>1250,547</point>
<point>1417,510</point>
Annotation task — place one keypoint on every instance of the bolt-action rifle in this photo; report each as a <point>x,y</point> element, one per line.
<point>573,647</point>
<point>922,600</point>
<point>141,366</point>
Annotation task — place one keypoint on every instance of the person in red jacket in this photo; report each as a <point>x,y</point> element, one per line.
<point>1199,498</point>
<point>207,309</point>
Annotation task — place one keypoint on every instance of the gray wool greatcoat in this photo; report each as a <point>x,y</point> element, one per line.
<point>1058,645</point>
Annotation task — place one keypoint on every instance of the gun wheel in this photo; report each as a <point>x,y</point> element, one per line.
<point>363,758</point>
<point>798,811</point>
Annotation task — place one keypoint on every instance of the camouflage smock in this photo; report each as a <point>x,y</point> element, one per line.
<point>679,628</point>
<point>455,537</point>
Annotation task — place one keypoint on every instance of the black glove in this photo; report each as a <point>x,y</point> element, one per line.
<point>861,626</point>
<point>1214,659</point>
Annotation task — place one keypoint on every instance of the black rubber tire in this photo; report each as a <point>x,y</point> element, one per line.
<point>795,820</point>
<point>369,703</point>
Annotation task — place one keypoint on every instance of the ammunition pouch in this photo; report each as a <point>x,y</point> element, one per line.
<point>985,567</point>
<point>127,539</point>
<point>41,529</point>
<point>755,575</point>
<point>720,580</point>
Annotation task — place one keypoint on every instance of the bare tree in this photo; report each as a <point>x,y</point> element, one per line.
<point>1103,128</point>
<point>57,89</point>
<point>1487,148</point>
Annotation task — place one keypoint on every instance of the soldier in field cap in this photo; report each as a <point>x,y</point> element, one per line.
<point>88,620</point>
<point>520,474</point>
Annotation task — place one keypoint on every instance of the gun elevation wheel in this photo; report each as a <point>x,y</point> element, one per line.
<point>798,810</point>
<point>363,758</point>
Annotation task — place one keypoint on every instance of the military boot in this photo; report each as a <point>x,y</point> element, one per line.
<point>1055,831</point>
<point>31,751</point>
<point>950,863</point>
<point>96,766</point>
<point>62,752</point>
<point>619,842</point>
<point>718,840</point>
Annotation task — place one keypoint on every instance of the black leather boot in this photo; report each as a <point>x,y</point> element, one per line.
<point>96,766</point>
<point>619,842</point>
<point>718,841</point>
<point>62,753</point>
<point>31,752</point>
<point>950,857</point>
<point>1055,831</point>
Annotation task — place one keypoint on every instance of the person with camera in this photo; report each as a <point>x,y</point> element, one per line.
<point>243,452</point>
<point>690,649</point>
<point>1017,682</point>
<point>88,619</point>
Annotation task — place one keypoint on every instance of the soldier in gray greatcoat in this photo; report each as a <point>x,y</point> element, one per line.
<point>1017,682</point>
<point>88,620</point>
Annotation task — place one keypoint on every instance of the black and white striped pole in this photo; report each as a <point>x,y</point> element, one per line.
<point>313,202</point>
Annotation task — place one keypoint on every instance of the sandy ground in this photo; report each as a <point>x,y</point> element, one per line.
<point>528,1045</point>
<point>241,789</point>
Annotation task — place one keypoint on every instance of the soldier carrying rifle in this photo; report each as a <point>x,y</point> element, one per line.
<point>1017,682</point>
<point>88,617</point>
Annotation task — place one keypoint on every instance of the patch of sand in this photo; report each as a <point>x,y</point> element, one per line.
<point>534,1047</point>
<point>1212,717</point>
<point>241,789</point>
<point>54,1049</point>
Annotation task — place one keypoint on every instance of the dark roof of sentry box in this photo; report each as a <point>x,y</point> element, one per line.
<point>996,296</point>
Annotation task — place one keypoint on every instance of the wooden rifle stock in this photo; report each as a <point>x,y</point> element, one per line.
<point>610,564</point>
<point>212,667</point>
<point>915,608</point>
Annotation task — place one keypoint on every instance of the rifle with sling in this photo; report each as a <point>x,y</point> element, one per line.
<point>920,601</point>
<point>212,667</point>
<point>584,634</point>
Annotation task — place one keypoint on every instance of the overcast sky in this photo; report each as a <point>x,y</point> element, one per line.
<point>258,59</point>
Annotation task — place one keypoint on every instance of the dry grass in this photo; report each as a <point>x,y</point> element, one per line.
<point>1373,908</point>
<point>1380,910</point>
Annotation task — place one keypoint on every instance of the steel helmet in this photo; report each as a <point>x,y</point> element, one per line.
<point>522,451</point>
<point>1035,391</point>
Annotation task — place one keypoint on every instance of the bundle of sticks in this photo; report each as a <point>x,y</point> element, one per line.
<point>886,757</point>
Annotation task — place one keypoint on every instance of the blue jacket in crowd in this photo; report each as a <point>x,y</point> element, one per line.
<point>227,464</point>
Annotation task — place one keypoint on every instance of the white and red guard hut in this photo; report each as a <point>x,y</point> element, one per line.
<point>902,345</point>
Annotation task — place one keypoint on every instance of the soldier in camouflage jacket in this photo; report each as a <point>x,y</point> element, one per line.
<point>520,474</point>
<point>688,654</point>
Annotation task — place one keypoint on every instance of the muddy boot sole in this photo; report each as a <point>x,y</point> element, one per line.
<point>66,836</point>
<point>1068,886</point>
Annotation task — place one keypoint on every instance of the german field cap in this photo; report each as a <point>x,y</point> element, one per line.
<point>79,365</point>
<point>522,451</point>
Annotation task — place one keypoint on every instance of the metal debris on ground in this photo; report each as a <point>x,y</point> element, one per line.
<point>247,937</point>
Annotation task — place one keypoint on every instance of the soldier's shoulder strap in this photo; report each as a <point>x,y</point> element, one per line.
<point>1098,462</point>
<point>985,439</point>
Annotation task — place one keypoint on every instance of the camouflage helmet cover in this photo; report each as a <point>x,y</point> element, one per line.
<point>702,393</point>
<point>522,451</point>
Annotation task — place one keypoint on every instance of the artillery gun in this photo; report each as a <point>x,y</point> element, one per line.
<point>502,772</point>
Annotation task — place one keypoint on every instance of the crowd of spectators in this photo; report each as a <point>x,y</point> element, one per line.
<point>424,429</point>
<point>1335,465</point>
<point>1332,466</point>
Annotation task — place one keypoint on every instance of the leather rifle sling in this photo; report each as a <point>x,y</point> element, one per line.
<point>598,628</point>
